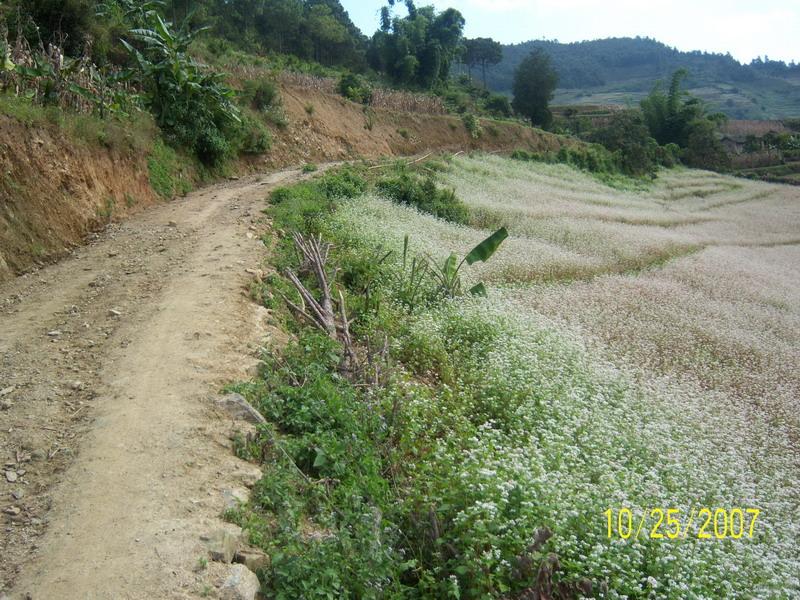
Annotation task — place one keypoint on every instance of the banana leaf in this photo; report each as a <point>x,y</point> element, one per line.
<point>479,290</point>
<point>449,271</point>
<point>484,251</point>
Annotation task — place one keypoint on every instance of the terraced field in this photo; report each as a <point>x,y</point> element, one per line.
<point>646,353</point>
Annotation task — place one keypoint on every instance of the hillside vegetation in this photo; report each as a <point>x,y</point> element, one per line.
<point>624,70</point>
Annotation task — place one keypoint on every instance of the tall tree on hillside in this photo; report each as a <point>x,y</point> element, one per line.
<point>418,49</point>
<point>482,52</point>
<point>325,32</point>
<point>534,83</point>
<point>676,117</point>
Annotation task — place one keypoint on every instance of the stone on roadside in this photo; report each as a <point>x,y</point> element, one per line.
<point>253,559</point>
<point>235,497</point>
<point>239,408</point>
<point>249,475</point>
<point>223,544</point>
<point>241,584</point>
<point>11,476</point>
<point>257,274</point>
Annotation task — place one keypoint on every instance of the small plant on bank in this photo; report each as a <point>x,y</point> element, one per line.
<point>447,275</point>
<point>261,94</point>
<point>473,126</point>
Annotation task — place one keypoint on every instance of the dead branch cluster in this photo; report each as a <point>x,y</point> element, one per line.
<point>327,312</point>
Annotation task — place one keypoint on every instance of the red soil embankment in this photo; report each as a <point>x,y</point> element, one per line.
<point>54,190</point>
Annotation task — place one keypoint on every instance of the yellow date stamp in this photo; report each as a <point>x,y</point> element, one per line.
<point>673,523</point>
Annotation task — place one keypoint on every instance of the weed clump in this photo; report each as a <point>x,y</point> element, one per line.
<point>352,87</point>
<point>473,126</point>
<point>424,195</point>
<point>261,94</point>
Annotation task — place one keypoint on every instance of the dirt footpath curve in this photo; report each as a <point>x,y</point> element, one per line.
<point>115,458</point>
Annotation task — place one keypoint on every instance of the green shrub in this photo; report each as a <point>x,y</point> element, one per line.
<point>345,183</point>
<point>627,136</point>
<point>593,158</point>
<point>167,177</point>
<point>352,87</point>
<point>261,94</point>
<point>301,206</point>
<point>425,196</point>
<point>457,102</point>
<point>498,105</point>
<point>473,125</point>
<point>310,168</point>
<point>254,138</point>
<point>211,146</point>
<point>668,156</point>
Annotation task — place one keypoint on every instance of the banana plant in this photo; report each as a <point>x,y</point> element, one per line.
<point>176,87</point>
<point>447,276</point>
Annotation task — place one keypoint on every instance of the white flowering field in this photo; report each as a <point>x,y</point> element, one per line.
<point>639,348</point>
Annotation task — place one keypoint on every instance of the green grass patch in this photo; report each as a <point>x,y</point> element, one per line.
<point>422,193</point>
<point>168,172</point>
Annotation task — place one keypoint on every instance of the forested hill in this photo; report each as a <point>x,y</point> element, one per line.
<point>618,70</point>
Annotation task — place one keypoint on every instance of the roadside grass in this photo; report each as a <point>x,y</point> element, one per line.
<point>169,172</point>
<point>500,437</point>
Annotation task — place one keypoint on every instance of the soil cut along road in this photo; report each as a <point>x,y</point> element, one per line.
<point>116,457</point>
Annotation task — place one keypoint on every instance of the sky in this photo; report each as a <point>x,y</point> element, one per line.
<point>745,29</point>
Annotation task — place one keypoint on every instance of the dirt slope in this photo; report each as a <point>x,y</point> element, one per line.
<point>110,362</point>
<point>339,129</point>
<point>55,189</point>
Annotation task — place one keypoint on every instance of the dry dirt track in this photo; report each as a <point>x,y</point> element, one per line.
<point>115,458</point>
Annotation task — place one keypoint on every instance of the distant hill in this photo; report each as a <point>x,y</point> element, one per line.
<point>622,70</point>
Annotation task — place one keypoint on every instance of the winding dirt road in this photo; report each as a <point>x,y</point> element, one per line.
<point>115,458</point>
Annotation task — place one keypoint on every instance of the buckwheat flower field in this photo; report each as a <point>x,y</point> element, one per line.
<point>638,349</point>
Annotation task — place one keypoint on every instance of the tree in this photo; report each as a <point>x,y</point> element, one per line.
<point>534,84</point>
<point>325,31</point>
<point>418,49</point>
<point>483,52</point>
<point>678,118</point>
<point>704,149</point>
<point>628,137</point>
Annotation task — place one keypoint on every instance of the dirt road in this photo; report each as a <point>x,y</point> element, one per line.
<point>115,456</point>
